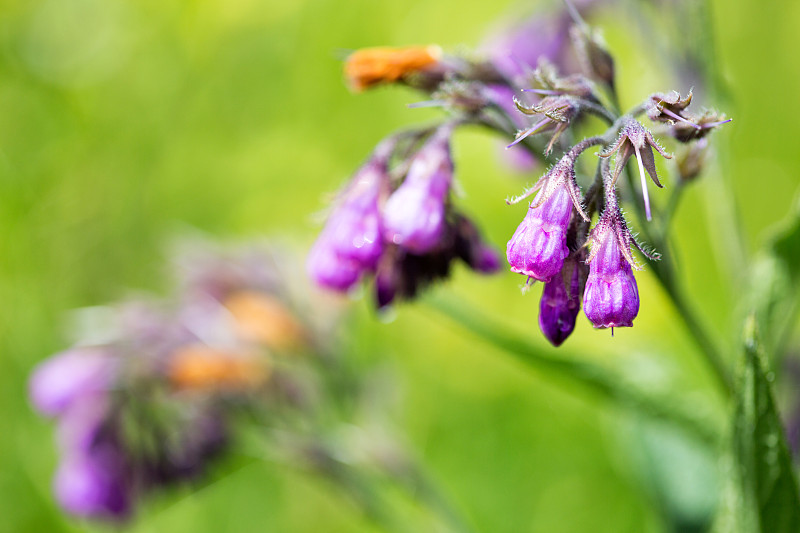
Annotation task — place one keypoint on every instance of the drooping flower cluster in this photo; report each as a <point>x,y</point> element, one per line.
<point>405,232</point>
<point>527,84</point>
<point>153,402</point>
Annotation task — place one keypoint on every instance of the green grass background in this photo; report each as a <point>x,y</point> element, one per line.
<point>122,123</point>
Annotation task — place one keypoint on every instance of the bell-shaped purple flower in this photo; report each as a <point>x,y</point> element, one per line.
<point>560,304</point>
<point>414,216</point>
<point>59,381</point>
<point>90,485</point>
<point>539,246</point>
<point>354,229</point>
<point>611,297</point>
<point>351,242</point>
<point>330,270</point>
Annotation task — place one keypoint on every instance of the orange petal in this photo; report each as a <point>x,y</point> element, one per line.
<point>370,66</point>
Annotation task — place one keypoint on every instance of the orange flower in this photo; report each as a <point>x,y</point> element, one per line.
<point>370,66</point>
<point>198,366</point>
<point>263,319</point>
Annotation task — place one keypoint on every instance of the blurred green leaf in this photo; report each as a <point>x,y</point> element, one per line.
<point>775,280</point>
<point>599,380</point>
<point>764,495</point>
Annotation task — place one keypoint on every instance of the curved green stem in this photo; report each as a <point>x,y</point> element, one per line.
<point>665,274</point>
<point>595,378</point>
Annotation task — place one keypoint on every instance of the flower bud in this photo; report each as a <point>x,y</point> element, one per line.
<point>414,215</point>
<point>692,159</point>
<point>595,60</point>
<point>636,139</point>
<point>559,113</point>
<point>560,304</point>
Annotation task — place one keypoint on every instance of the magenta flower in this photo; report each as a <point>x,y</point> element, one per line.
<point>91,485</point>
<point>539,246</point>
<point>560,305</point>
<point>611,297</point>
<point>351,243</point>
<point>64,378</point>
<point>414,215</point>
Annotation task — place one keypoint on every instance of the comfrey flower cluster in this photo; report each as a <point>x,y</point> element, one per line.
<point>399,225</point>
<point>149,399</point>
<point>528,85</point>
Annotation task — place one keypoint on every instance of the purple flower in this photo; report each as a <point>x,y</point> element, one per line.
<point>636,139</point>
<point>485,259</point>
<point>414,215</point>
<point>539,246</point>
<point>560,304</point>
<point>611,298</point>
<point>90,485</point>
<point>351,244</point>
<point>516,50</point>
<point>403,273</point>
<point>330,270</point>
<point>59,381</point>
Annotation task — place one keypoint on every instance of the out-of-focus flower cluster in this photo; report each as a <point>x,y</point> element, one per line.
<point>398,223</point>
<point>152,395</point>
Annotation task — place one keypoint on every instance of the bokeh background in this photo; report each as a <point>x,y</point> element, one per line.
<point>126,123</point>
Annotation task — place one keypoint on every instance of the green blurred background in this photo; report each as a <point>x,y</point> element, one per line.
<point>123,124</point>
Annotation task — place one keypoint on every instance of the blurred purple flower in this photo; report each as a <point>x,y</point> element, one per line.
<point>414,215</point>
<point>91,485</point>
<point>560,305</point>
<point>351,242</point>
<point>59,381</point>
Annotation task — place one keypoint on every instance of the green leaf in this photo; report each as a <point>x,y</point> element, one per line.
<point>775,283</point>
<point>605,383</point>
<point>767,498</point>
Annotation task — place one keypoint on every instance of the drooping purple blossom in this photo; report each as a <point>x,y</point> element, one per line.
<point>560,304</point>
<point>414,215</point>
<point>539,245</point>
<point>516,50</point>
<point>90,485</point>
<point>402,273</point>
<point>59,381</point>
<point>351,242</point>
<point>611,296</point>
